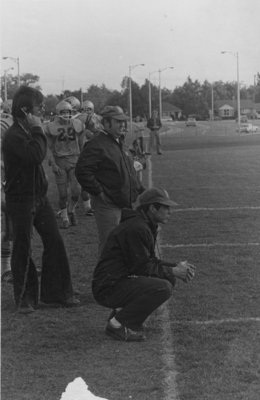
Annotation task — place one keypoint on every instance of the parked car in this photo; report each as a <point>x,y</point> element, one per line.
<point>243,119</point>
<point>191,122</point>
<point>248,128</point>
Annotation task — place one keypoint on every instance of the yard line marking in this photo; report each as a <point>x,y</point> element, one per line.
<point>216,208</point>
<point>168,357</point>
<point>175,246</point>
<point>217,321</point>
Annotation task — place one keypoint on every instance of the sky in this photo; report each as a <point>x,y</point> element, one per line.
<point>74,44</point>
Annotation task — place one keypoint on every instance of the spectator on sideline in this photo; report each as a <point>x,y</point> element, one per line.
<point>106,172</point>
<point>24,148</point>
<point>129,278</point>
<point>93,126</point>
<point>154,124</point>
<point>65,137</point>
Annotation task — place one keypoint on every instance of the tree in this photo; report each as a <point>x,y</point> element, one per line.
<point>99,95</point>
<point>50,104</point>
<point>26,79</point>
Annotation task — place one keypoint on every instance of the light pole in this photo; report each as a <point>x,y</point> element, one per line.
<point>150,93</point>
<point>255,76</point>
<point>15,59</point>
<point>131,67</point>
<point>160,93</point>
<point>5,83</point>
<point>212,103</point>
<point>238,85</point>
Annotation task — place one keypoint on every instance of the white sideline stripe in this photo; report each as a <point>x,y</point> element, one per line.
<point>217,321</point>
<point>168,357</point>
<point>215,209</point>
<point>176,246</point>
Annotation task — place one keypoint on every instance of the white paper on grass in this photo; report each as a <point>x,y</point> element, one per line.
<point>78,390</point>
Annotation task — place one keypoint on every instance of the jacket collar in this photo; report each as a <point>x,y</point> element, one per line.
<point>154,227</point>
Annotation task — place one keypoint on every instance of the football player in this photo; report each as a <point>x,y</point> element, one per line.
<point>91,120</point>
<point>66,137</point>
<point>75,104</point>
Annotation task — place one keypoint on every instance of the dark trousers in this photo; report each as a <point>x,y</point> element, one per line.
<point>55,286</point>
<point>138,297</point>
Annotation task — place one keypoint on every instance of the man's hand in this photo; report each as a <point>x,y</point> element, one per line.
<point>33,120</point>
<point>184,271</point>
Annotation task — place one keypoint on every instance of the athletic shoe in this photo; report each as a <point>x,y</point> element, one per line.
<point>89,213</point>
<point>73,219</point>
<point>65,223</point>
<point>125,334</point>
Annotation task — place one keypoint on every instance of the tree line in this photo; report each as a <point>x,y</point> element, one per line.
<point>192,97</point>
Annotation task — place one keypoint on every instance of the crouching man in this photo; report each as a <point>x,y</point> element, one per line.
<point>129,278</point>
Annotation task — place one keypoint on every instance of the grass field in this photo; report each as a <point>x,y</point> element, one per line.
<point>204,344</point>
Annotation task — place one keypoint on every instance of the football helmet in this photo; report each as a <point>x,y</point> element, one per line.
<point>87,106</point>
<point>74,102</point>
<point>64,110</point>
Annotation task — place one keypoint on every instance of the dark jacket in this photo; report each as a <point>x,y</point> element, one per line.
<point>103,166</point>
<point>129,250</point>
<point>23,153</point>
<point>154,124</point>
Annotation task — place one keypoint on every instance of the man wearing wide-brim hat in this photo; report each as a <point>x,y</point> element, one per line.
<point>106,172</point>
<point>129,277</point>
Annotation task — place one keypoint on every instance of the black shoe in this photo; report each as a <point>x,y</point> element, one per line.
<point>124,334</point>
<point>159,152</point>
<point>148,154</point>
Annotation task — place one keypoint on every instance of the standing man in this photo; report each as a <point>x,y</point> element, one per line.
<point>106,172</point>
<point>129,278</point>
<point>66,137</point>
<point>154,124</point>
<point>24,149</point>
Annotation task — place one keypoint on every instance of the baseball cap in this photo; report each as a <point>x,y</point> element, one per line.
<point>114,112</point>
<point>155,195</point>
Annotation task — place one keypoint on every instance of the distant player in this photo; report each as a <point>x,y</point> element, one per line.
<point>91,120</point>
<point>93,127</point>
<point>66,138</point>
<point>75,104</point>
<point>154,124</point>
